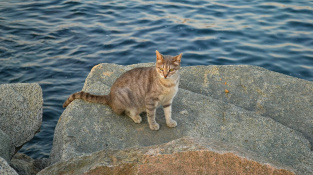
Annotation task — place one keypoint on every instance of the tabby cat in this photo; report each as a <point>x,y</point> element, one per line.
<point>142,89</point>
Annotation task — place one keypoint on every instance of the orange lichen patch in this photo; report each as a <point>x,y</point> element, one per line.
<point>226,91</point>
<point>225,83</point>
<point>96,67</point>
<point>107,73</point>
<point>59,118</point>
<point>204,162</point>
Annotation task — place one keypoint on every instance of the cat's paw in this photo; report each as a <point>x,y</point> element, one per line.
<point>137,119</point>
<point>154,126</point>
<point>171,124</point>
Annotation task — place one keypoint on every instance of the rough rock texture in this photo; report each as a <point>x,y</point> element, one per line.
<point>5,169</point>
<point>20,111</point>
<point>84,127</point>
<point>6,147</point>
<point>285,99</point>
<point>182,156</point>
<point>25,165</point>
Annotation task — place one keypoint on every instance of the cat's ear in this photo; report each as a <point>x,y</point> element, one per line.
<point>177,58</point>
<point>159,56</point>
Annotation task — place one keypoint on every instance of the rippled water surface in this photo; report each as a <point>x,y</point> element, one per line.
<point>56,43</point>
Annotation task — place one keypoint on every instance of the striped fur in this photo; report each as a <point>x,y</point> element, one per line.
<point>142,89</point>
<point>104,99</point>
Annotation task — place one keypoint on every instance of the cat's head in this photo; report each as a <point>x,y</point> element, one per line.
<point>167,66</point>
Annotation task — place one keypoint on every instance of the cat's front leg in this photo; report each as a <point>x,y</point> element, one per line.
<point>168,115</point>
<point>151,120</point>
<point>151,109</point>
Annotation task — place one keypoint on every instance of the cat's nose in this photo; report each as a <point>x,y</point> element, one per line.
<point>165,76</point>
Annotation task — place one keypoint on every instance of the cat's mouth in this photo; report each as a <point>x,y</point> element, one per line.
<point>166,77</point>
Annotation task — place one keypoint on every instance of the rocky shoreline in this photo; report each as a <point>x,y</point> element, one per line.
<point>21,108</point>
<point>239,119</point>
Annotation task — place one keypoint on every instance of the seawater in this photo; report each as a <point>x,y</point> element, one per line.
<point>57,42</point>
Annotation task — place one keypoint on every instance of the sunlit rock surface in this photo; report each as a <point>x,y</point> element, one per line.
<point>263,112</point>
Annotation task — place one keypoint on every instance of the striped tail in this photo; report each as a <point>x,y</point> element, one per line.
<point>104,99</point>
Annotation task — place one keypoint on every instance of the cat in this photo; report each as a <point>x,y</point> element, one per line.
<point>142,90</point>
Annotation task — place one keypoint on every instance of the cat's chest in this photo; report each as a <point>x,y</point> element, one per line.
<point>168,94</point>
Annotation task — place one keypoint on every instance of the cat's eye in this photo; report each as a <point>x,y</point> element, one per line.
<point>171,70</point>
<point>161,69</point>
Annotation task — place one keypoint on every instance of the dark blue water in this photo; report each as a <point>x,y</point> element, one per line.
<point>56,43</point>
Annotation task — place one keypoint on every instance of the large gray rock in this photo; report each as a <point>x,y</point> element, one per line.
<point>20,111</point>
<point>285,99</point>
<point>84,127</point>
<point>5,169</point>
<point>6,147</point>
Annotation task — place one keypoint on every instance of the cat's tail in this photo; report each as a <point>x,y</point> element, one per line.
<point>104,99</point>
